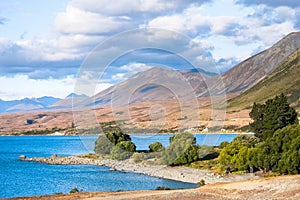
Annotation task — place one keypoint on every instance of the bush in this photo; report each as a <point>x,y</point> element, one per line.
<point>156,147</point>
<point>75,190</point>
<point>223,144</point>
<point>138,157</point>
<point>105,142</point>
<point>117,153</point>
<point>185,137</point>
<point>201,182</point>
<point>231,156</point>
<point>127,146</point>
<point>182,150</point>
<point>103,145</point>
<point>278,153</point>
<point>123,150</point>
<point>250,140</point>
<point>117,136</point>
<point>205,151</point>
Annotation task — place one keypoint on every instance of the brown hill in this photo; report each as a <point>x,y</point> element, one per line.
<point>159,83</point>
<point>251,71</point>
<point>285,79</point>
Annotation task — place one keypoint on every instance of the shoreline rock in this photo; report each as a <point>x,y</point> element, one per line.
<point>178,173</point>
<point>22,157</point>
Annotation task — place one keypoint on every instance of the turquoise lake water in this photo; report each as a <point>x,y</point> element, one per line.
<point>20,178</point>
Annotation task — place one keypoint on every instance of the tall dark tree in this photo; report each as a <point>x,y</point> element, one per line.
<point>274,114</point>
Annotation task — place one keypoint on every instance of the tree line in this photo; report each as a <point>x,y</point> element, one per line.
<point>275,145</point>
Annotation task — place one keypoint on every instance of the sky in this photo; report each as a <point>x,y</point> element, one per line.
<point>45,44</point>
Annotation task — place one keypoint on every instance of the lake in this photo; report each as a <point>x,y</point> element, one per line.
<point>20,178</point>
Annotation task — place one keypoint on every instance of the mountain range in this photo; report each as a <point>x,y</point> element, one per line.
<point>261,76</point>
<point>27,104</point>
<point>285,79</point>
<point>252,72</point>
<point>42,103</point>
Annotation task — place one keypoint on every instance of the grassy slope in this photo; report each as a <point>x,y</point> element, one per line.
<point>285,78</point>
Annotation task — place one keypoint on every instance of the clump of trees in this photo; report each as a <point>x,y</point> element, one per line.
<point>116,143</point>
<point>123,150</point>
<point>274,114</point>
<point>275,146</point>
<point>182,150</point>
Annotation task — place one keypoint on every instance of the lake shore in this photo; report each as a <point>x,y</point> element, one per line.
<point>178,173</point>
<point>194,133</point>
<point>281,188</point>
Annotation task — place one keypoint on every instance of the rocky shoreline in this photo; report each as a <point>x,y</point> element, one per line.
<point>180,173</point>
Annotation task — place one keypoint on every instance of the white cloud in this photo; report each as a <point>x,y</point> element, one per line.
<point>131,7</point>
<point>77,21</point>
<point>118,77</point>
<point>225,29</point>
<point>135,67</point>
<point>174,22</point>
<point>231,29</point>
<point>21,86</point>
<point>129,70</point>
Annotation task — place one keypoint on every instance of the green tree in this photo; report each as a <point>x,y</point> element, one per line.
<point>274,114</point>
<point>103,145</point>
<point>284,154</point>
<point>223,144</point>
<point>229,158</point>
<point>117,136</point>
<point>122,150</point>
<point>250,140</point>
<point>156,147</point>
<point>105,142</point>
<point>127,146</point>
<point>182,150</point>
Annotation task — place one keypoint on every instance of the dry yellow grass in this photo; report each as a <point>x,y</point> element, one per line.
<point>141,115</point>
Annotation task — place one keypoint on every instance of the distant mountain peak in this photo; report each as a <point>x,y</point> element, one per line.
<point>27,104</point>
<point>74,95</point>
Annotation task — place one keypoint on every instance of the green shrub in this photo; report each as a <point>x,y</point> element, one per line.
<point>127,146</point>
<point>117,136</point>
<point>138,157</point>
<point>230,156</point>
<point>182,150</point>
<point>279,153</point>
<point>117,153</point>
<point>122,150</point>
<point>75,190</point>
<point>105,142</point>
<point>201,182</point>
<point>250,140</point>
<point>156,147</point>
<point>103,145</point>
<point>89,155</point>
<point>223,144</point>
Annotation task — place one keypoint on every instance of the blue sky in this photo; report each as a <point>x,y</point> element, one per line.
<point>44,43</point>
